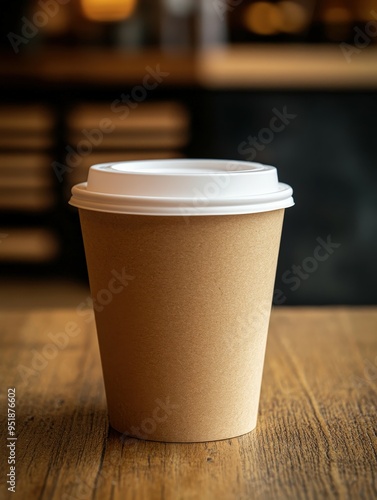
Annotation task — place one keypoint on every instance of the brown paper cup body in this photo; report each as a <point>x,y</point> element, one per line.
<point>182,308</point>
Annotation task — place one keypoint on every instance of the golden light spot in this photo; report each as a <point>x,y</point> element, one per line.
<point>364,8</point>
<point>263,18</point>
<point>107,10</point>
<point>294,15</point>
<point>337,15</point>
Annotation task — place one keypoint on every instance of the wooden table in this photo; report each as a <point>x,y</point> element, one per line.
<point>316,436</point>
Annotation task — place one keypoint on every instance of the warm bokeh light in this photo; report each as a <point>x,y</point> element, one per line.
<point>266,18</point>
<point>337,15</point>
<point>337,21</point>
<point>295,16</point>
<point>263,18</point>
<point>364,8</point>
<point>108,10</point>
<point>57,24</point>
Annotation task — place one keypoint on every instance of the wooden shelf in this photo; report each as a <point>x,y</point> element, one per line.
<point>97,67</point>
<point>236,66</point>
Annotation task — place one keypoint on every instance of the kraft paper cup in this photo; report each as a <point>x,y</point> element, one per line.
<point>182,256</point>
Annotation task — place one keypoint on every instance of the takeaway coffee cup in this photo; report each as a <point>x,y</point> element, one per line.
<point>182,256</point>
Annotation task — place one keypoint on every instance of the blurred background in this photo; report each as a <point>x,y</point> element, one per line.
<point>291,83</point>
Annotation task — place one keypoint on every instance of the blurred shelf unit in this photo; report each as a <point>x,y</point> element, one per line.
<point>151,130</point>
<point>28,245</point>
<point>26,183</point>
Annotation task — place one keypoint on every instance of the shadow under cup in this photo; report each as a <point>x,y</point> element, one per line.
<point>182,307</point>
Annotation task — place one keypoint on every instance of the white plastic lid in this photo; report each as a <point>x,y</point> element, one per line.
<point>182,187</point>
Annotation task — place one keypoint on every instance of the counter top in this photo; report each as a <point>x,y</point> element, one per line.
<point>316,434</point>
<point>305,67</point>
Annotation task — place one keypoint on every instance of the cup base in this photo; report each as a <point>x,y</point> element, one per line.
<point>166,439</point>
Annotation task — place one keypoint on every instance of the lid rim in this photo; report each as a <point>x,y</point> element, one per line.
<point>244,210</point>
<point>179,206</point>
<point>282,188</point>
<point>177,187</point>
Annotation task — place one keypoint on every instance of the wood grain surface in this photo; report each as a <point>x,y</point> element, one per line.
<point>316,435</point>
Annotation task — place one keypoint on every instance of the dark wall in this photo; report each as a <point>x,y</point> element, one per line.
<point>327,151</point>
